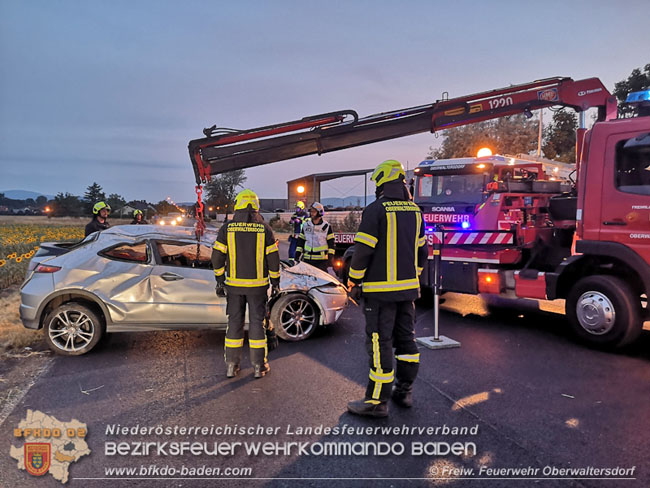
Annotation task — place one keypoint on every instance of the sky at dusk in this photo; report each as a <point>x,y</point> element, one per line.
<point>112,91</point>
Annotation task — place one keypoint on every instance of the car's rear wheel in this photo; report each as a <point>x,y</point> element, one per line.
<point>294,317</point>
<point>72,329</point>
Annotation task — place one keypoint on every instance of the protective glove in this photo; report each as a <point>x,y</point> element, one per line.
<point>355,292</point>
<point>275,290</point>
<point>221,290</point>
<point>271,338</point>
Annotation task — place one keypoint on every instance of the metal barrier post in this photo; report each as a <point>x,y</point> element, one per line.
<point>437,341</point>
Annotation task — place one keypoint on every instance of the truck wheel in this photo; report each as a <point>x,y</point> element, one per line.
<point>604,311</point>
<point>72,329</point>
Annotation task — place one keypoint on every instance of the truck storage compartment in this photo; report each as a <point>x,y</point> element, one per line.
<point>530,284</point>
<point>459,277</point>
<point>563,207</point>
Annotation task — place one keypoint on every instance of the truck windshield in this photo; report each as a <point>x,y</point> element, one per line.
<point>462,188</point>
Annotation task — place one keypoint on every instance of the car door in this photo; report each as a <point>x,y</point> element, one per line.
<point>123,282</point>
<point>183,286</point>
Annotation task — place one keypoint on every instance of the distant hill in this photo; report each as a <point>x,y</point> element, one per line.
<point>347,201</point>
<point>24,194</point>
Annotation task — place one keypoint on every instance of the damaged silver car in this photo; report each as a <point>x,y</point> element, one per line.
<point>144,278</point>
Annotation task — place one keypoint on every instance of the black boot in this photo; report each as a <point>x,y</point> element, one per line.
<point>262,370</point>
<point>369,408</point>
<point>402,396</point>
<point>232,369</point>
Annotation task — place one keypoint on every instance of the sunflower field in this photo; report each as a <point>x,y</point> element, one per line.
<point>19,243</point>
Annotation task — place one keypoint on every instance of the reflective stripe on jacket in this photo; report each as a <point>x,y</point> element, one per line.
<point>316,241</point>
<point>246,254</point>
<point>389,250</point>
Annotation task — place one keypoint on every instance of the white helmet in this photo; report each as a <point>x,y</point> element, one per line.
<point>319,208</point>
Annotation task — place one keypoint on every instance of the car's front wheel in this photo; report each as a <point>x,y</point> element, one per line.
<point>294,317</point>
<point>72,329</point>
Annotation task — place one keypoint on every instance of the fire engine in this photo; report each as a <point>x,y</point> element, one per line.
<point>517,230</point>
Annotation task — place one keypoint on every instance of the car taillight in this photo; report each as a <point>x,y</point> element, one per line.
<point>44,268</point>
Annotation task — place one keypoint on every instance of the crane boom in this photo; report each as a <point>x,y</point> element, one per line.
<point>224,150</point>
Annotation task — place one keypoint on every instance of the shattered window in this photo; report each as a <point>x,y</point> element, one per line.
<point>184,254</point>
<point>129,252</point>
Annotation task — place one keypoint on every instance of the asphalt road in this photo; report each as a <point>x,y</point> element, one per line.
<point>536,397</point>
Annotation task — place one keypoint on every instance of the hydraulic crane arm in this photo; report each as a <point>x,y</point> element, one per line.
<point>224,150</point>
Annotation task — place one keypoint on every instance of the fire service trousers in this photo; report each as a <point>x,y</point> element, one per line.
<point>390,325</point>
<point>236,310</point>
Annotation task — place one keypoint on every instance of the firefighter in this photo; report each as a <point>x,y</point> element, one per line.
<point>99,222</point>
<point>244,257</point>
<point>138,218</point>
<point>316,239</point>
<point>296,221</point>
<point>389,254</point>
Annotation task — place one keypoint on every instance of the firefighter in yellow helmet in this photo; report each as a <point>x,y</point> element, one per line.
<point>316,239</point>
<point>245,256</point>
<point>296,221</point>
<point>138,218</point>
<point>389,254</point>
<point>99,222</point>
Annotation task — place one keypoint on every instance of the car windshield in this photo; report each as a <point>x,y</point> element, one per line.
<point>459,188</point>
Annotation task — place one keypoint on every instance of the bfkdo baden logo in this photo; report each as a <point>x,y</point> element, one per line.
<point>37,458</point>
<point>50,446</point>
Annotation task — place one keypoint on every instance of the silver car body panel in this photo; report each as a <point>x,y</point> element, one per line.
<point>152,296</point>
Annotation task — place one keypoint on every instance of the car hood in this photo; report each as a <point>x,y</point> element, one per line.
<point>303,276</point>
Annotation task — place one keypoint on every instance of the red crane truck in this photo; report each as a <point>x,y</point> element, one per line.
<point>527,236</point>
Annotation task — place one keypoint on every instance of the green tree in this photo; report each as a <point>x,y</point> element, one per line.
<point>115,201</point>
<point>163,207</point>
<point>94,194</point>
<point>222,190</point>
<point>65,204</point>
<point>41,200</point>
<point>637,81</point>
<point>505,135</point>
<point>560,137</point>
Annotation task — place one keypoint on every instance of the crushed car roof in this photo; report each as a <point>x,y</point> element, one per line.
<point>138,232</point>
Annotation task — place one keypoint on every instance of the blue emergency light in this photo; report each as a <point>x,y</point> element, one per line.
<point>465,224</point>
<point>638,97</point>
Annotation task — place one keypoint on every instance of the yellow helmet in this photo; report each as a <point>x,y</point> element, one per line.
<point>245,198</point>
<point>136,213</point>
<point>99,205</point>
<point>300,204</point>
<point>389,170</point>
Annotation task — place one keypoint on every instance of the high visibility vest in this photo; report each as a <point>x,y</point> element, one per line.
<point>316,241</point>
<point>246,253</point>
<point>389,250</point>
